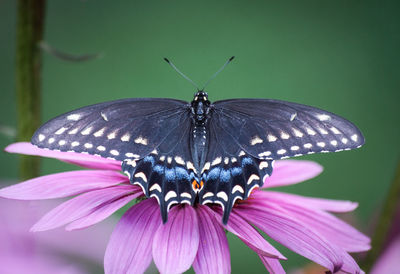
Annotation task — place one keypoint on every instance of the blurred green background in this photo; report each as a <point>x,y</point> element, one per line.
<point>342,56</point>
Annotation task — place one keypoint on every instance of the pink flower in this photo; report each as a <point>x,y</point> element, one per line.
<point>193,236</point>
<point>25,252</point>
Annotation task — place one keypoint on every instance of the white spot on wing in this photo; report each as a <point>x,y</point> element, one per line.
<point>293,116</point>
<point>284,135</point>
<point>61,130</point>
<point>264,154</point>
<point>222,195</point>
<point>141,175</point>
<point>310,131</point>
<point>105,118</point>
<point>41,137</point>
<point>131,155</point>
<point>252,178</point>
<point>141,140</point>
<point>321,144</point>
<point>255,140</point>
<point>206,167</point>
<point>86,131</point>
<point>125,138</point>
<point>99,133</point>
<point>73,117</point>
<point>271,138</point>
<point>335,130</point>
<point>114,152</point>
<point>323,131</point>
<point>308,145</point>
<point>294,148</point>
<point>281,151</point>
<point>186,195</point>
<point>226,160</point>
<point>242,153</point>
<point>51,140</point>
<point>73,131</point>
<point>344,140</point>
<point>323,117</point>
<point>263,165</point>
<point>75,144</point>
<point>216,161</point>
<point>334,143</point>
<point>101,148</point>
<point>155,187</point>
<point>297,133</point>
<point>354,137</point>
<point>88,145</point>
<point>171,194</point>
<point>112,135</point>
<point>179,160</point>
<point>208,194</point>
<point>237,188</point>
<point>62,142</point>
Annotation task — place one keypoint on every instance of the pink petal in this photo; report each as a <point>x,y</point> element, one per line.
<point>272,265</point>
<point>350,266</point>
<point>176,243</point>
<point>251,237</point>
<point>289,172</point>
<point>389,261</point>
<point>80,159</point>
<point>213,254</point>
<point>129,249</point>
<point>101,213</point>
<point>81,206</point>
<point>62,184</point>
<point>327,225</point>
<point>293,234</point>
<point>316,203</point>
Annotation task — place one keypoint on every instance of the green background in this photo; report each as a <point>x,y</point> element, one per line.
<point>341,56</point>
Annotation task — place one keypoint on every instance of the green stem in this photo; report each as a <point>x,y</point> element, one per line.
<point>30,25</point>
<point>384,223</point>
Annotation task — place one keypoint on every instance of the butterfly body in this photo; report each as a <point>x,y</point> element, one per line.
<point>198,152</point>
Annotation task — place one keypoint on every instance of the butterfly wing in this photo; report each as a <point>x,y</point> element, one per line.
<point>229,173</point>
<point>167,172</point>
<point>273,129</point>
<point>122,129</point>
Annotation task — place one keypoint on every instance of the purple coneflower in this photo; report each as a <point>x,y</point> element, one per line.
<point>193,236</point>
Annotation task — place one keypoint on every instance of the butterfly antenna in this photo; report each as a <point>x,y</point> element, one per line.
<point>215,74</point>
<point>183,75</point>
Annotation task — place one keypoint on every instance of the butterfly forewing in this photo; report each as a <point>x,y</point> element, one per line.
<point>272,129</point>
<point>123,129</point>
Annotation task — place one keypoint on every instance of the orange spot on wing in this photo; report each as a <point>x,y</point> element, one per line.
<point>195,185</point>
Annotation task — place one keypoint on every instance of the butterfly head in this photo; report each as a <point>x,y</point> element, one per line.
<point>200,107</point>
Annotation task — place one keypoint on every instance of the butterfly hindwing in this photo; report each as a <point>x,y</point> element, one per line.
<point>167,172</point>
<point>272,129</point>
<point>229,173</point>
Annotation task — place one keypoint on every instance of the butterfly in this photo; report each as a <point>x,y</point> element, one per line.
<point>198,152</point>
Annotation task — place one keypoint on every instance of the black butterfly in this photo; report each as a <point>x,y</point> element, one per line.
<point>198,152</point>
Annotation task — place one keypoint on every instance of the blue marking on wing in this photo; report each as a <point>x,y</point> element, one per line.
<point>213,174</point>
<point>159,169</point>
<point>181,173</point>
<point>236,171</point>
<point>225,175</point>
<point>247,161</point>
<point>170,174</point>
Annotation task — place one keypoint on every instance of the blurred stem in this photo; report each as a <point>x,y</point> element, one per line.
<point>30,25</point>
<point>384,223</point>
